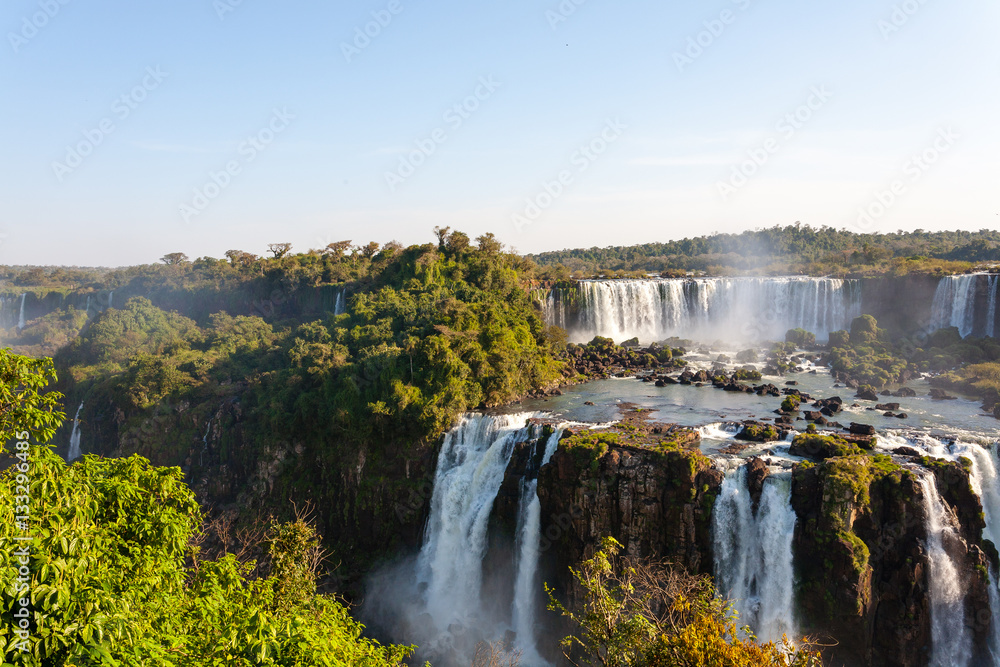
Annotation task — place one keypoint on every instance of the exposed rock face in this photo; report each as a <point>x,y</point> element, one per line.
<point>656,505</point>
<point>757,472</point>
<point>862,562</point>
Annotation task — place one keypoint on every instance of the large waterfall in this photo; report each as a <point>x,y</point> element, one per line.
<point>967,302</point>
<point>744,309</point>
<point>951,642</point>
<point>753,553</point>
<point>452,611</point>
<point>74,437</point>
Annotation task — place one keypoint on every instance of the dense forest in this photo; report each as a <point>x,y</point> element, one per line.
<point>794,249</point>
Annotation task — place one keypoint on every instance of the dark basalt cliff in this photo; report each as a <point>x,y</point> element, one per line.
<point>657,505</point>
<point>860,544</point>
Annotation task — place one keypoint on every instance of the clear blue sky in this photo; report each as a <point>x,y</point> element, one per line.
<point>673,129</point>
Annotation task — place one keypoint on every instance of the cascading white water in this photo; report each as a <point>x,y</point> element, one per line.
<point>753,554</point>
<point>469,473</point>
<point>526,588</point>
<point>20,318</point>
<point>553,308</point>
<point>74,437</point>
<point>951,642</point>
<point>744,309</point>
<point>954,304</point>
<point>338,307</point>
<point>111,296</point>
<point>985,482</point>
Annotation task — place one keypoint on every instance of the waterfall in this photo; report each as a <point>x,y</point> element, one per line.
<point>526,587</point>
<point>954,303</point>
<point>470,470</point>
<point>985,483</point>
<point>204,443</point>
<point>20,319</point>
<point>74,438</point>
<point>111,295</point>
<point>338,307</point>
<point>553,307</point>
<point>992,294</point>
<point>743,308</point>
<point>87,310</point>
<point>951,644</point>
<point>753,554</point>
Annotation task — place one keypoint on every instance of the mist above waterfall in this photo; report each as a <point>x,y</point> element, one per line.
<point>730,309</point>
<point>466,585</point>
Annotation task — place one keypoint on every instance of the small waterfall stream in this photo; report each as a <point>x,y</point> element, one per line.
<point>338,306</point>
<point>74,438</point>
<point>526,586</point>
<point>951,640</point>
<point>753,553</point>
<point>20,319</point>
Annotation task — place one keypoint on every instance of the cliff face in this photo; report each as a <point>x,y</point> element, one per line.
<point>861,543</point>
<point>862,559</point>
<point>657,505</point>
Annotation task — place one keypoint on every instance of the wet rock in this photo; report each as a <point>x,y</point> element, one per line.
<point>901,415</point>
<point>941,395</point>
<point>862,429</point>
<point>905,392</point>
<point>887,406</point>
<point>866,394</point>
<point>757,472</point>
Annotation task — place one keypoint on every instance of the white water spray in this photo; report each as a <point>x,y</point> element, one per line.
<point>469,473</point>
<point>74,437</point>
<point>753,554</point>
<point>951,642</point>
<point>20,319</point>
<point>954,303</point>
<point>526,586</point>
<point>338,307</point>
<point>731,308</point>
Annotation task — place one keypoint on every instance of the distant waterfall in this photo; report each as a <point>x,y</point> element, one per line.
<point>954,302</point>
<point>74,438</point>
<point>731,308</point>
<point>553,308</point>
<point>111,296</point>
<point>753,554</point>
<point>469,473</point>
<point>526,586</point>
<point>338,307</point>
<point>967,302</point>
<point>951,643</point>
<point>20,319</point>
